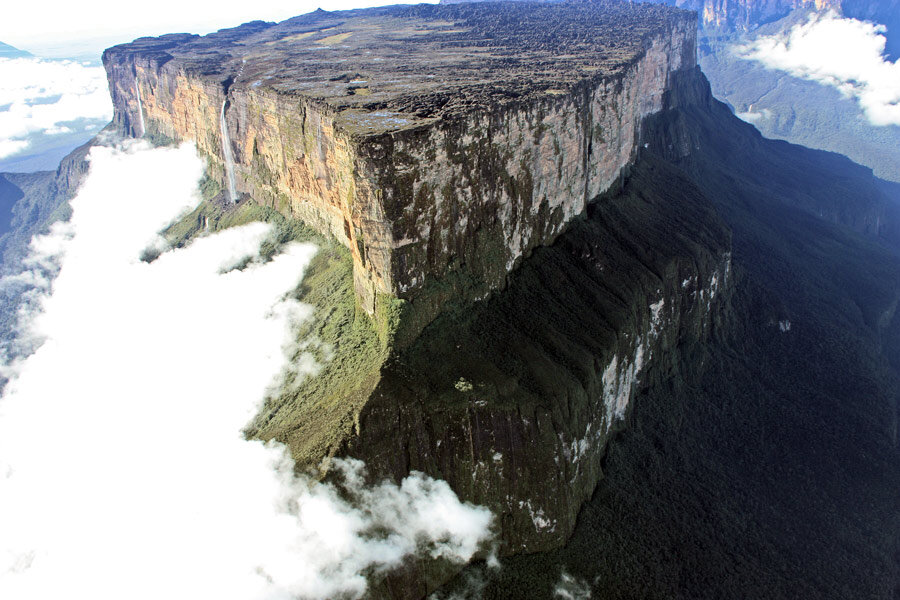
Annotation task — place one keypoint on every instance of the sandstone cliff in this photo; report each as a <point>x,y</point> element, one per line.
<point>493,292</point>
<point>463,143</point>
<point>747,14</point>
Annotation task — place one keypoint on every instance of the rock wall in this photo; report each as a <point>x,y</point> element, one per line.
<point>479,194</point>
<point>288,154</point>
<point>513,400</point>
<point>535,460</point>
<point>468,196</point>
<point>748,14</point>
<point>510,397</point>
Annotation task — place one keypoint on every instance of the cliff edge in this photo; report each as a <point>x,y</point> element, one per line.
<point>438,143</point>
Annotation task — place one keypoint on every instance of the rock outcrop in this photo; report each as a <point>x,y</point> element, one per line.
<point>437,143</point>
<point>471,160</point>
<point>503,286</point>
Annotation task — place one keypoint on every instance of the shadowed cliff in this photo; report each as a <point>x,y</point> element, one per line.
<point>770,470</point>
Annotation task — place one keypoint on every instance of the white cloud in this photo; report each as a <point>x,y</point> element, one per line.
<point>10,147</point>
<point>123,470</point>
<point>752,116</point>
<point>44,97</point>
<point>844,53</point>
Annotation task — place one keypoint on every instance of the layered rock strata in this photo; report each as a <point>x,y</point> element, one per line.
<point>435,142</point>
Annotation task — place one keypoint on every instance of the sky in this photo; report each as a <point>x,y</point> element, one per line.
<point>124,471</point>
<point>61,28</point>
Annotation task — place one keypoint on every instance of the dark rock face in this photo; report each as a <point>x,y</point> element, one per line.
<point>435,142</point>
<point>514,399</point>
<point>765,464</point>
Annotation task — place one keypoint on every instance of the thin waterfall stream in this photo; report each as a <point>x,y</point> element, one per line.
<point>228,154</point>
<point>137,91</point>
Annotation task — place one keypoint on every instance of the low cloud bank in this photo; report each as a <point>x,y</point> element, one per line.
<point>845,53</point>
<point>123,469</point>
<point>40,99</point>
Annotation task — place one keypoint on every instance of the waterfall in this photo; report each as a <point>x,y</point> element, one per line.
<point>229,156</point>
<point>137,92</point>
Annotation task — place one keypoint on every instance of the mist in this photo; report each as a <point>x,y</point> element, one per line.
<point>124,472</point>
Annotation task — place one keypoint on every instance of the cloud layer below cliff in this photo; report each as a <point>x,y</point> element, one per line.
<point>46,100</point>
<point>123,469</point>
<point>845,53</point>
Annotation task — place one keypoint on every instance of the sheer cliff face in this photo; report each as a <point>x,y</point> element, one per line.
<point>520,422</point>
<point>481,193</point>
<point>453,152</point>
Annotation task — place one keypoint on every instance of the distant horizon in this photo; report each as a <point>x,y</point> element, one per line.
<point>67,31</point>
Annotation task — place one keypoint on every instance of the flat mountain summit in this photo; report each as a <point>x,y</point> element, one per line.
<point>407,64</point>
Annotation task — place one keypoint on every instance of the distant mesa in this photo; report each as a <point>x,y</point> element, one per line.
<point>434,142</point>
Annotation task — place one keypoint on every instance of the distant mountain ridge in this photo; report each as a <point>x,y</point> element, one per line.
<point>747,15</point>
<point>7,51</point>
